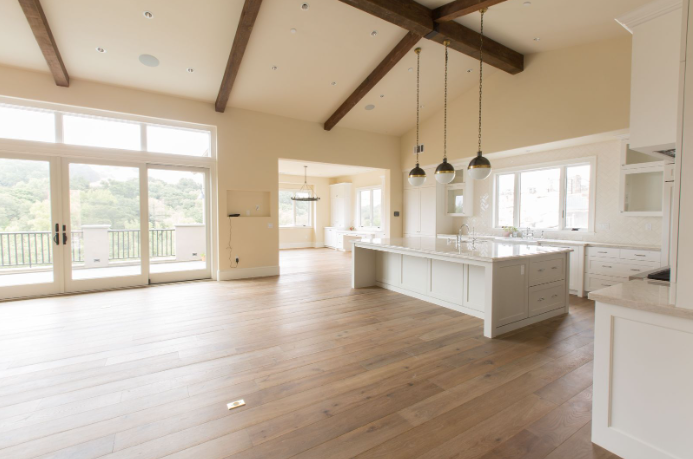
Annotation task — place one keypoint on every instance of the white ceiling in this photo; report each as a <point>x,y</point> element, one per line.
<point>333,43</point>
<point>320,169</point>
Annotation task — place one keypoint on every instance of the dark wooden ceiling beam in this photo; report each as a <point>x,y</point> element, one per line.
<point>44,37</point>
<point>251,8</point>
<point>403,47</point>
<point>420,20</point>
<point>459,8</point>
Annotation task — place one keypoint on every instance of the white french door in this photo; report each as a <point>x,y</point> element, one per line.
<point>179,227</point>
<point>78,224</point>
<point>104,227</point>
<point>30,241</point>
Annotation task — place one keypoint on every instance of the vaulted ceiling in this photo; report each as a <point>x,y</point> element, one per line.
<point>333,42</point>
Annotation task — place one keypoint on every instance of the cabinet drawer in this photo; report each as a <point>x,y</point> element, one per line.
<point>609,268</point>
<point>595,282</point>
<point>545,298</point>
<point>543,272</point>
<point>603,252</point>
<point>640,255</point>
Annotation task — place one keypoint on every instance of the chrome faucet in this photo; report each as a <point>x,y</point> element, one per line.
<point>528,234</point>
<point>470,231</point>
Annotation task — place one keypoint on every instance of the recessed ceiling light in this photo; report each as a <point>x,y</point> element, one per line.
<point>334,83</point>
<point>274,67</point>
<point>148,14</point>
<point>191,70</point>
<point>527,4</point>
<point>382,95</point>
<point>149,60</point>
<point>293,30</point>
<point>100,49</point>
<point>370,107</point>
<point>537,38</point>
<point>374,33</point>
<point>470,70</point>
<point>410,69</point>
<point>305,6</point>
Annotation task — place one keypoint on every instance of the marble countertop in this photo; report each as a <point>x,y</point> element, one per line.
<point>643,295</point>
<point>513,240</point>
<point>488,251</point>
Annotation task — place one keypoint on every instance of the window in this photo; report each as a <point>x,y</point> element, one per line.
<point>39,125</point>
<point>178,141</point>
<point>370,207</point>
<point>555,197</point>
<point>101,132</point>
<point>27,124</point>
<point>294,213</point>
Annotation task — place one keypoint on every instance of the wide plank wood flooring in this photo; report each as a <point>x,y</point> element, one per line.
<point>325,372</point>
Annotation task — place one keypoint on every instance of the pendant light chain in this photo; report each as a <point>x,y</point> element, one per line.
<point>418,106</point>
<point>481,71</point>
<point>445,105</point>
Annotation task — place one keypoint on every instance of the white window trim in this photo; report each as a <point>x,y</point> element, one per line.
<point>588,160</point>
<point>358,205</point>
<point>294,225</point>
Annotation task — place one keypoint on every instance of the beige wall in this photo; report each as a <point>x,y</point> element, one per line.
<point>248,144</point>
<point>314,236</point>
<point>622,229</point>
<point>564,94</point>
<point>375,178</point>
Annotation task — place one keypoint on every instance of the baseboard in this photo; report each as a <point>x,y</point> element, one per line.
<point>247,273</point>
<point>300,245</point>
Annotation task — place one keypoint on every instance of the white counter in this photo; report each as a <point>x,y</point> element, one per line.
<point>508,285</point>
<point>643,368</point>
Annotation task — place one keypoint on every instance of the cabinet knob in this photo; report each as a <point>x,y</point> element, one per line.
<point>555,267</point>
<point>541,270</point>
<point>604,266</point>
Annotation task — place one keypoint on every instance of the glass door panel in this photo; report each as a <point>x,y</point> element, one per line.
<point>104,211</point>
<point>178,224</point>
<point>28,243</point>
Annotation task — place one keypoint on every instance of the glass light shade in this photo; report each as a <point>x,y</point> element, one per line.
<point>479,167</point>
<point>445,173</point>
<point>417,176</point>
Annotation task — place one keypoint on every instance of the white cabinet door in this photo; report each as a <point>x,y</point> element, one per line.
<point>510,294</point>
<point>412,212</point>
<point>428,211</point>
<point>335,206</point>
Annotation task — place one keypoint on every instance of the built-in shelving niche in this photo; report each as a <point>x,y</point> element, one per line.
<point>248,203</point>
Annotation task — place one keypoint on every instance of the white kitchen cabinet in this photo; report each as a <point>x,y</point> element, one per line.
<point>607,266</point>
<point>642,191</point>
<point>330,237</point>
<point>424,211</point>
<point>340,205</point>
<point>656,44</point>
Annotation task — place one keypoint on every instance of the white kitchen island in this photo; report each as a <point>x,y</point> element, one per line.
<point>507,285</point>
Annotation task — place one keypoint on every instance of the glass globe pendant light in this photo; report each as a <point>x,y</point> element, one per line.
<point>417,176</point>
<point>480,167</point>
<point>445,173</point>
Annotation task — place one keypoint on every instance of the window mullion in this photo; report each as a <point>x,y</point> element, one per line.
<point>562,197</point>
<point>516,211</point>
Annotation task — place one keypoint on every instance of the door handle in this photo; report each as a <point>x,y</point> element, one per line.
<point>56,238</point>
<point>64,236</point>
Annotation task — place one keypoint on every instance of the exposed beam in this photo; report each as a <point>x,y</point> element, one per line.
<point>466,41</point>
<point>44,37</point>
<point>459,8</point>
<point>399,51</point>
<point>245,27</point>
<point>419,19</point>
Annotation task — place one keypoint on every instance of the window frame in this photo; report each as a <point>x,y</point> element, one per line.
<point>563,166</point>
<point>358,205</point>
<point>293,205</point>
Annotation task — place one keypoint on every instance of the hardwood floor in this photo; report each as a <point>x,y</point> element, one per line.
<point>325,372</point>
